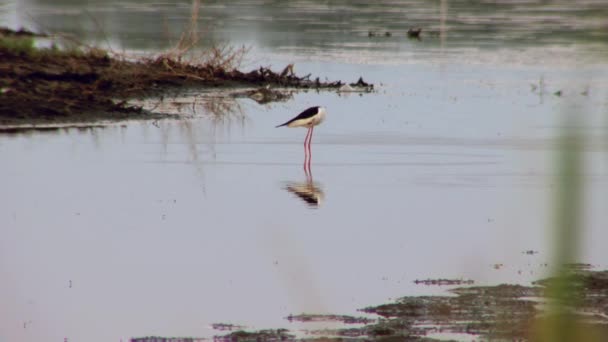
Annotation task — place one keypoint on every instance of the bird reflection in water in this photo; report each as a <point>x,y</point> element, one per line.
<point>308,191</point>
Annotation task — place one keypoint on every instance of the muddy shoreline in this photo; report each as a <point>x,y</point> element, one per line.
<point>52,85</point>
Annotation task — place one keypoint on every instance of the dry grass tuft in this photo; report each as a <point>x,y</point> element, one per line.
<point>188,52</point>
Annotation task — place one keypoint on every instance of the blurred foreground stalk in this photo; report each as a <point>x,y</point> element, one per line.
<point>568,224</point>
<point>561,321</point>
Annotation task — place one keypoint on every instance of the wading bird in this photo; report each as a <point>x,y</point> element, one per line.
<point>310,192</point>
<point>308,118</point>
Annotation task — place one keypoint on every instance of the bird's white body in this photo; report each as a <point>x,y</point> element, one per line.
<point>310,121</point>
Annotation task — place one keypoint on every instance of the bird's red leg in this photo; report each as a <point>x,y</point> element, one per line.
<point>306,157</point>
<point>309,159</point>
<point>306,139</point>
<point>312,128</point>
<point>306,151</point>
<point>309,152</point>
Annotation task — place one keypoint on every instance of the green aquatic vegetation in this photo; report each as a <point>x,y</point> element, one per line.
<point>18,45</point>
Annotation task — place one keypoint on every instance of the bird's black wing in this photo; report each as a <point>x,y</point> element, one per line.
<point>312,111</point>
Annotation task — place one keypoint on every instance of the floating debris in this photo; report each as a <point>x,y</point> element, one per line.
<point>362,83</point>
<point>371,33</point>
<point>358,87</point>
<point>414,32</point>
<point>346,89</point>
<point>288,71</point>
<point>444,282</point>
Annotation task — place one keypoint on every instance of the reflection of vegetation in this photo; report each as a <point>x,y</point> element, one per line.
<point>203,117</point>
<point>223,110</point>
<point>266,95</point>
<point>218,108</point>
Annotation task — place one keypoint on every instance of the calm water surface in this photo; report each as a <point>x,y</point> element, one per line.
<point>447,171</point>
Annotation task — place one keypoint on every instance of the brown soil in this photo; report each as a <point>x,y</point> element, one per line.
<point>42,86</point>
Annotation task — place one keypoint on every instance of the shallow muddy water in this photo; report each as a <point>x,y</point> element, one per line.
<point>446,171</point>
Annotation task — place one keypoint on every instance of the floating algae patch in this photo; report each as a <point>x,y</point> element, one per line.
<point>501,312</point>
<point>493,312</point>
<point>591,289</point>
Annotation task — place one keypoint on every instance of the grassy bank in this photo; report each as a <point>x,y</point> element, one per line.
<point>82,84</point>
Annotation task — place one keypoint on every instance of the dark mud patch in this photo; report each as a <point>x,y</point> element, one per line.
<point>53,85</point>
<point>261,335</point>
<point>329,318</point>
<point>22,32</point>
